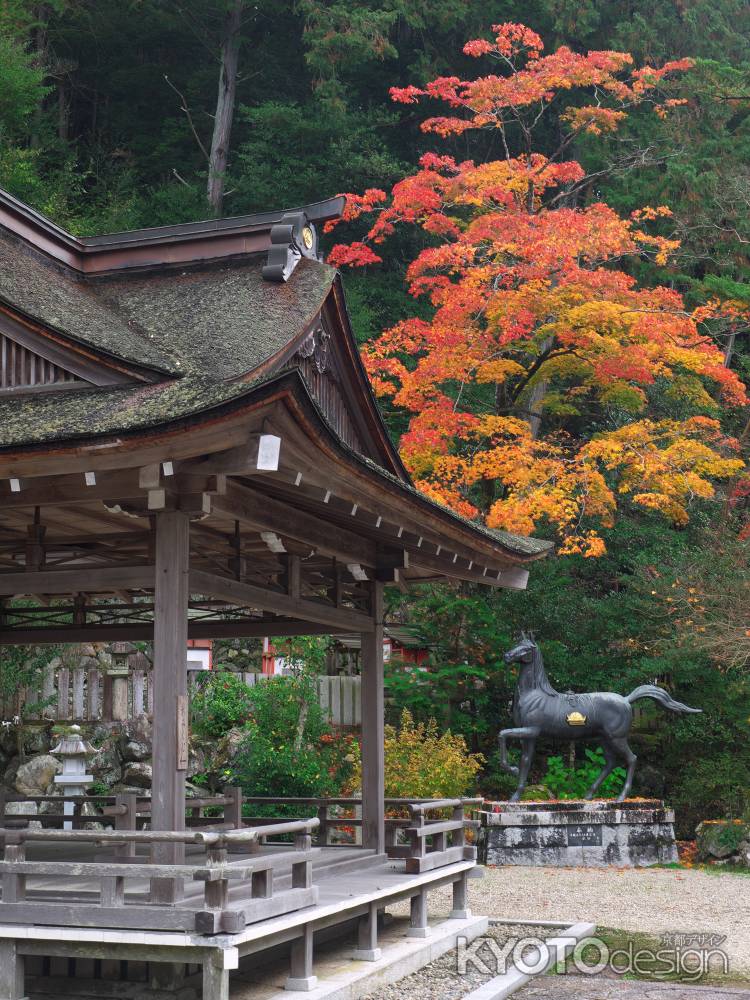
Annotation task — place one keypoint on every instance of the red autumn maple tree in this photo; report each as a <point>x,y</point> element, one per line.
<point>536,328</point>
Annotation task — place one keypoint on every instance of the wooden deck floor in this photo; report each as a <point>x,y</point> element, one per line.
<point>352,886</point>
<point>347,879</point>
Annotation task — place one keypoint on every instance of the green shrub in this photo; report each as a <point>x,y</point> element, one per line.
<point>732,835</point>
<point>264,767</point>
<point>715,787</point>
<point>422,762</point>
<point>289,749</point>
<point>221,701</point>
<point>567,782</point>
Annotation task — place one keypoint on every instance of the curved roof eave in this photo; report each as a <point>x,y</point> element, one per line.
<point>528,548</point>
<point>112,447</point>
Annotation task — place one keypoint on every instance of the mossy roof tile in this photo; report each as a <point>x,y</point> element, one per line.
<point>220,321</point>
<point>57,298</point>
<point>71,414</point>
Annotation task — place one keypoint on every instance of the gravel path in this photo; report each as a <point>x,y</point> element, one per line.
<point>440,979</point>
<point>647,900</point>
<point>651,901</point>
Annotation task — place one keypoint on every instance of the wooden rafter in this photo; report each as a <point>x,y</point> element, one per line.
<point>144,632</point>
<point>235,592</point>
<point>252,507</point>
<point>74,581</point>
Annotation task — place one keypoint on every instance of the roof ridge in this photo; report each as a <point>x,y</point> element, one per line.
<point>182,242</point>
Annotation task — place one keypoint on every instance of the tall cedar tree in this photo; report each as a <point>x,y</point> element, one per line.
<point>536,326</point>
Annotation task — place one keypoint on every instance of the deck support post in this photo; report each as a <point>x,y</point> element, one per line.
<point>11,971</point>
<point>301,976</point>
<point>215,981</point>
<point>126,818</point>
<point>461,909</point>
<point>418,926</point>
<point>367,936</point>
<point>172,528</point>
<point>166,978</point>
<point>373,708</point>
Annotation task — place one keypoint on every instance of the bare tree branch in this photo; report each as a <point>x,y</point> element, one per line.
<point>184,107</point>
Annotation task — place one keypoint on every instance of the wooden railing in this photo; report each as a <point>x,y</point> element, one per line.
<point>341,813</point>
<point>425,834</point>
<point>124,811</point>
<point>431,841</point>
<point>49,819</point>
<point>106,904</point>
<point>413,832</point>
<point>435,842</point>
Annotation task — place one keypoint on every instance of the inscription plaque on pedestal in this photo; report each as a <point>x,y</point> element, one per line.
<point>585,835</point>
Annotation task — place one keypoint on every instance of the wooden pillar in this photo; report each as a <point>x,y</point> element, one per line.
<point>461,909</point>
<point>166,978</point>
<point>11,971</point>
<point>418,926</point>
<point>367,936</point>
<point>301,976</point>
<point>215,981</point>
<point>233,812</point>
<point>170,684</point>
<point>373,767</point>
<point>126,818</point>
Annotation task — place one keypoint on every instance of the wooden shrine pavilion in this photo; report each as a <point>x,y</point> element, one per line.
<point>189,448</point>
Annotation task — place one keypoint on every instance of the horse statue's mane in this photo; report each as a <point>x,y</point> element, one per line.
<point>538,675</point>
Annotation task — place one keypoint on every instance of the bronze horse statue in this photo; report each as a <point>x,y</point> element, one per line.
<point>539,710</point>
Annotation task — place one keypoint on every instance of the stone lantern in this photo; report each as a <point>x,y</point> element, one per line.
<point>73,751</point>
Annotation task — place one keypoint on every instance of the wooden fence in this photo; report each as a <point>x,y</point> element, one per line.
<point>86,694</point>
<point>339,697</point>
<point>82,694</point>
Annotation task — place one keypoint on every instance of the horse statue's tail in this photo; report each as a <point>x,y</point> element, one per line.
<point>662,696</point>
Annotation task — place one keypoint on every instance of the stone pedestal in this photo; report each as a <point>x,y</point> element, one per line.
<point>595,834</point>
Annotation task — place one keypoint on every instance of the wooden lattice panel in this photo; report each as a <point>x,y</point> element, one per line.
<point>21,368</point>
<point>331,402</point>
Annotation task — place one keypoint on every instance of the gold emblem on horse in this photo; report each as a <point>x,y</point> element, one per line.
<point>576,719</point>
